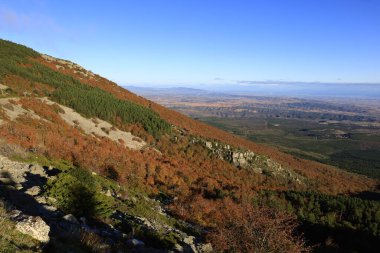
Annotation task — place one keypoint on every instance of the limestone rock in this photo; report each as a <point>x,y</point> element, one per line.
<point>34,226</point>
<point>50,208</point>
<point>41,199</point>
<point>189,240</point>
<point>205,248</point>
<point>33,191</point>
<point>246,159</point>
<point>37,170</point>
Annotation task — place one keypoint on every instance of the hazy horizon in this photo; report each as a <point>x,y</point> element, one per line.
<point>296,89</point>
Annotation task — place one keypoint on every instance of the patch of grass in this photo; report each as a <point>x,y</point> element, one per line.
<point>156,239</point>
<point>144,207</point>
<point>62,165</point>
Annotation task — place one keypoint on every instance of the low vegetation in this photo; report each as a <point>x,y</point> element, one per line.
<point>328,217</point>
<point>259,230</point>
<point>90,101</point>
<point>75,192</point>
<point>192,183</point>
<point>355,150</point>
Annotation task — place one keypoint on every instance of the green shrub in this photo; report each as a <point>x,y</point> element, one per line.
<point>72,196</point>
<point>76,192</point>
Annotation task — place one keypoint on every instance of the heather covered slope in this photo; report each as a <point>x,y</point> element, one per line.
<point>325,175</point>
<point>58,114</point>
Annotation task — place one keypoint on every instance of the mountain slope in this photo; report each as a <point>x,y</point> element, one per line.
<point>55,113</point>
<point>324,174</point>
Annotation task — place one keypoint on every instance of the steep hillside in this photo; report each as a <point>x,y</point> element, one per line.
<point>330,179</point>
<point>153,178</point>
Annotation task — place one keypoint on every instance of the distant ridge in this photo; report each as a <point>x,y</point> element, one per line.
<point>275,89</point>
<point>171,90</point>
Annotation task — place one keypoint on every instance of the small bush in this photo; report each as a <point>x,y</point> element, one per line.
<point>73,196</point>
<point>76,192</point>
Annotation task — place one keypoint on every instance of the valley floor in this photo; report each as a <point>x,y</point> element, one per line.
<point>325,130</point>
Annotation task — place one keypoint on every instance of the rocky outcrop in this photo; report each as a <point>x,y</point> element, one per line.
<point>185,242</point>
<point>246,159</point>
<point>22,175</point>
<point>63,64</point>
<point>33,226</point>
<point>22,183</point>
<point>206,248</point>
<point>35,214</point>
<point>33,191</point>
<point>240,158</point>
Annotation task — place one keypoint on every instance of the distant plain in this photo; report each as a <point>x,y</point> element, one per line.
<point>339,131</point>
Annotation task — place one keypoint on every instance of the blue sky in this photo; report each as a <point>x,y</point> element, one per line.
<point>185,42</point>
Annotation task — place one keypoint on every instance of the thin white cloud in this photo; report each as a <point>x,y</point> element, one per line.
<point>11,20</point>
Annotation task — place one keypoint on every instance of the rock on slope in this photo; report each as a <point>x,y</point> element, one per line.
<point>23,187</point>
<point>66,116</point>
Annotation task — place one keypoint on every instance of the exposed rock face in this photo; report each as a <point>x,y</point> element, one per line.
<point>34,226</point>
<point>35,217</point>
<point>33,191</point>
<point>246,159</point>
<point>205,248</point>
<point>62,64</point>
<point>187,243</point>
<point>242,159</point>
<point>22,175</point>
